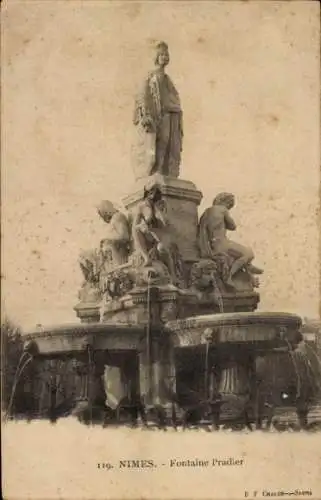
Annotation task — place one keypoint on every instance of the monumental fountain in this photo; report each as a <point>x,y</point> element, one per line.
<point>168,321</point>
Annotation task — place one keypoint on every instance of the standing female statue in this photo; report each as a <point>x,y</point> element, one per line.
<point>158,121</point>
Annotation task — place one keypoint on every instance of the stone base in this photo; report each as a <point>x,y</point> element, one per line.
<point>158,305</point>
<point>88,312</point>
<point>167,303</point>
<point>231,302</point>
<point>182,199</point>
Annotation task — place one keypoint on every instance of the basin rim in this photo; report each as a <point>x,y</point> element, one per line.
<point>83,329</point>
<point>236,319</point>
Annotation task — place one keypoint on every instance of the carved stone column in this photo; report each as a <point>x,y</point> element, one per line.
<point>150,370</point>
<point>82,371</point>
<point>157,371</point>
<point>90,393</point>
<point>144,377</point>
<point>235,389</point>
<point>234,380</point>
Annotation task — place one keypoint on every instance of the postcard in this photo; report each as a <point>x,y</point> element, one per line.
<point>161,331</point>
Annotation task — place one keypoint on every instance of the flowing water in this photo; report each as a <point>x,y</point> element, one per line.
<point>296,369</point>
<point>20,369</point>
<point>313,373</point>
<point>218,294</point>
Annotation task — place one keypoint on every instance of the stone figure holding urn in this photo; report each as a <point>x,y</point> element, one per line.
<point>158,122</point>
<point>151,238</point>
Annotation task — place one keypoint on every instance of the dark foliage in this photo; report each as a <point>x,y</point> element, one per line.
<point>11,350</point>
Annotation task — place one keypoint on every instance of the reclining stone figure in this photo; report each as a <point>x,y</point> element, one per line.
<point>213,239</point>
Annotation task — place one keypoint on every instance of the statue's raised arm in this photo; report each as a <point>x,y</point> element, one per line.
<point>158,120</point>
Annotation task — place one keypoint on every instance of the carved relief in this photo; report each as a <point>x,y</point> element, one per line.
<point>117,283</point>
<point>209,275</point>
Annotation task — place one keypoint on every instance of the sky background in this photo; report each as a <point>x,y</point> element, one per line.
<point>248,77</point>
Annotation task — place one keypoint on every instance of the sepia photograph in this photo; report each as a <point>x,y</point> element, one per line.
<point>160,315</point>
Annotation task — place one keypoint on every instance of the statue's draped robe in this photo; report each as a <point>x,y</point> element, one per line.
<point>160,149</point>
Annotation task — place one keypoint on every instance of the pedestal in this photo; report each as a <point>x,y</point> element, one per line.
<point>235,391</point>
<point>90,394</point>
<point>182,199</point>
<point>234,380</point>
<point>157,368</point>
<point>88,312</point>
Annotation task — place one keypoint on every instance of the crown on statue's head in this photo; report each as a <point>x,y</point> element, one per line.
<point>160,45</point>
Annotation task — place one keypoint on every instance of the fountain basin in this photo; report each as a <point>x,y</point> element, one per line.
<point>262,329</point>
<point>218,350</point>
<point>73,338</point>
<point>218,353</point>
